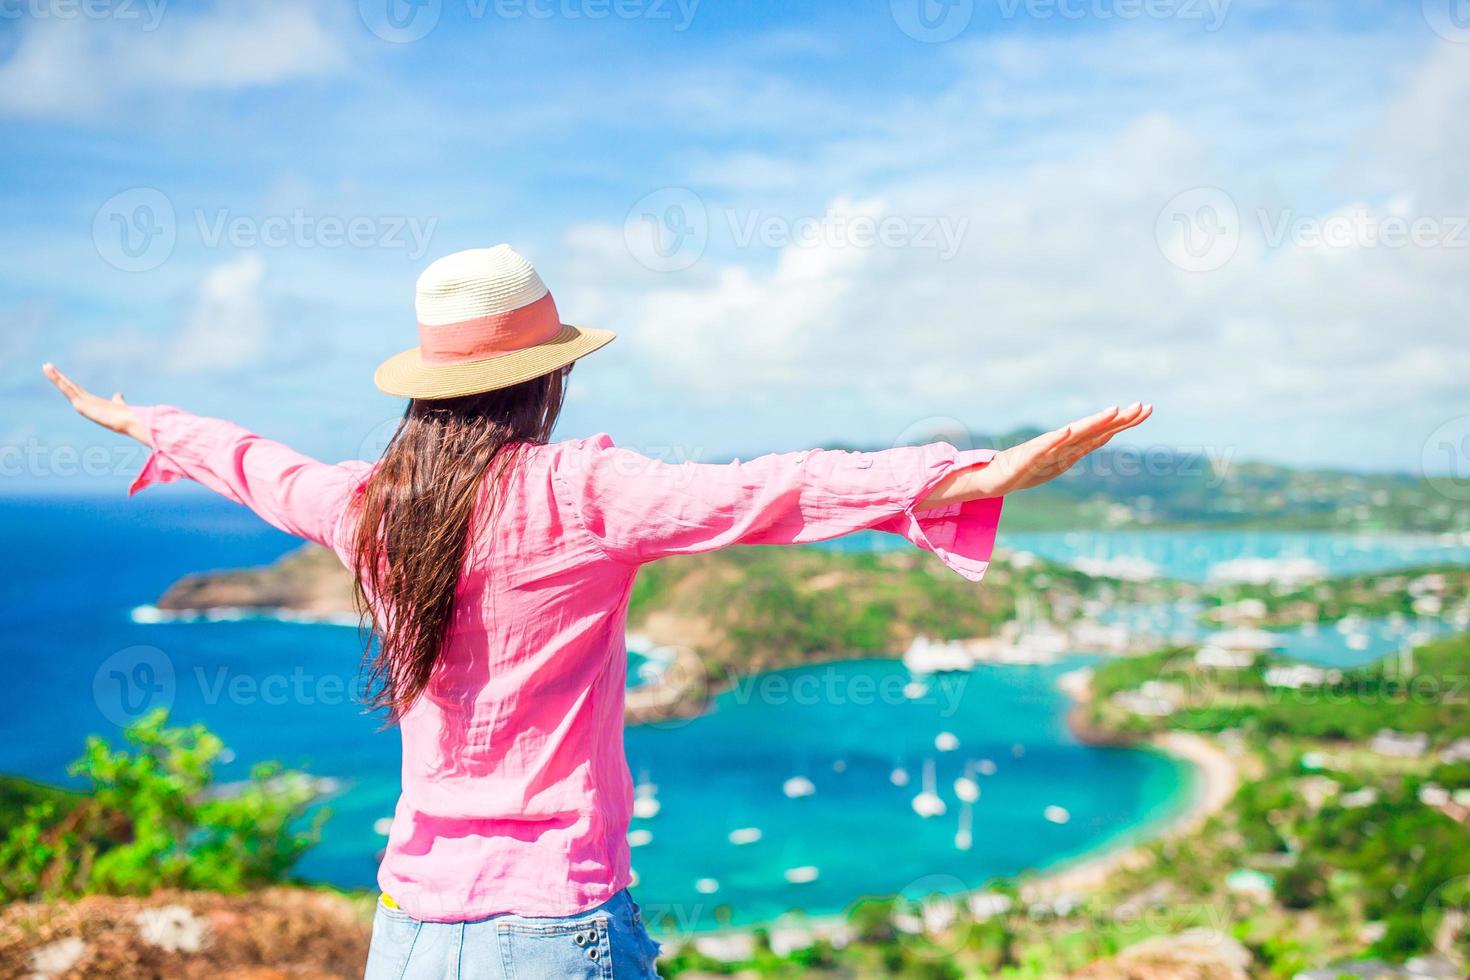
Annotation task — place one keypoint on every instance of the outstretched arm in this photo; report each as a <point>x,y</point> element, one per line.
<point>295,493</point>
<point>1033,463</point>
<point>942,499</point>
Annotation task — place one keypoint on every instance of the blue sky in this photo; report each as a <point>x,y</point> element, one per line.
<point>808,222</point>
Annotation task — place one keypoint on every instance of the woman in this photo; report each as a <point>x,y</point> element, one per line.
<point>495,566</point>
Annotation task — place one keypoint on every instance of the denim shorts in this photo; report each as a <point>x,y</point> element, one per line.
<point>608,941</point>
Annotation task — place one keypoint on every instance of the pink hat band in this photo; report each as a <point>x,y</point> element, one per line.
<point>490,335</point>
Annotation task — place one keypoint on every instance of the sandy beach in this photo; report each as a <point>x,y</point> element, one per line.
<point>1219,778</point>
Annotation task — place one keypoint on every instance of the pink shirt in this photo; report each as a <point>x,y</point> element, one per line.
<point>516,794</point>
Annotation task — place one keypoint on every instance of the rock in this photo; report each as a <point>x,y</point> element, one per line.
<point>1199,954</point>
<point>276,932</point>
<point>57,957</point>
<point>173,928</point>
<point>310,581</point>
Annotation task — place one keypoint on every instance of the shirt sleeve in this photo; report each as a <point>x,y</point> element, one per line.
<point>288,490</point>
<point>640,509</point>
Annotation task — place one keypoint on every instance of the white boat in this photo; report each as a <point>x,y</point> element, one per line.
<point>965,787</point>
<point>382,826</point>
<point>1130,568</point>
<point>946,742</point>
<point>987,768</point>
<point>797,787</point>
<point>899,776</point>
<point>928,804</point>
<point>1264,571</point>
<point>1056,814</point>
<point>963,837</point>
<point>706,886</point>
<point>645,800</point>
<point>926,656</point>
<point>745,835</point>
<point>1245,639</point>
<point>802,875</point>
<point>914,690</point>
<point>639,837</point>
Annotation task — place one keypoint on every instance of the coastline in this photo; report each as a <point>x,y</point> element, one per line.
<point>685,688</point>
<point>670,697</point>
<point>1218,776</point>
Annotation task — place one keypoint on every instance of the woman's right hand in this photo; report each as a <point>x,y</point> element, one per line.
<point>113,413</point>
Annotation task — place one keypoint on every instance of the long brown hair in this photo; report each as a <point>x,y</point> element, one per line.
<point>435,487</point>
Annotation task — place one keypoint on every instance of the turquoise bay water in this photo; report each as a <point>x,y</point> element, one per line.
<point>1189,555</point>
<point>846,727</point>
<point>283,691</point>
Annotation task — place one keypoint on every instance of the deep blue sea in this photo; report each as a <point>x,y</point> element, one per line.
<point>282,691</point>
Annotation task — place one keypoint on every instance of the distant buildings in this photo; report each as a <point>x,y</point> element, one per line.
<point>1218,658</point>
<point>1399,744</point>
<point>1419,968</point>
<point>1251,883</point>
<point>1153,699</point>
<point>1456,751</point>
<point>1260,571</point>
<point>1298,676</point>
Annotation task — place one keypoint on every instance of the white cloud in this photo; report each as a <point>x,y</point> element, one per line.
<point>225,329</point>
<point>1060,298</point>
<point>78,66</point>
<point>1423,141</point>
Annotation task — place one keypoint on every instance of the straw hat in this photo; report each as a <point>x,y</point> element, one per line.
<point>486,321</point>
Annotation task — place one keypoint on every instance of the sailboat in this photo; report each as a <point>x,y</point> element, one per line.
<point>1057,814</point>
<point>798,786</point>
<point>965,787</point>
<point>963,839</point>
<point>645,799</point>
<point>927,803</point>
<point>899,776</point>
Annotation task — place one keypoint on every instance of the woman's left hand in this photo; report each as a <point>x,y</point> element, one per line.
<point>1035,462</point>
<point>113,413</point>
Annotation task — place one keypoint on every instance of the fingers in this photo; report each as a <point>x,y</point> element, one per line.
<point>65,385</point>
<point>1080,432</point>
<point>1131,420</point>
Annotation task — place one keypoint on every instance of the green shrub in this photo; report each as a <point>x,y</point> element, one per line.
<point>154,819</point>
